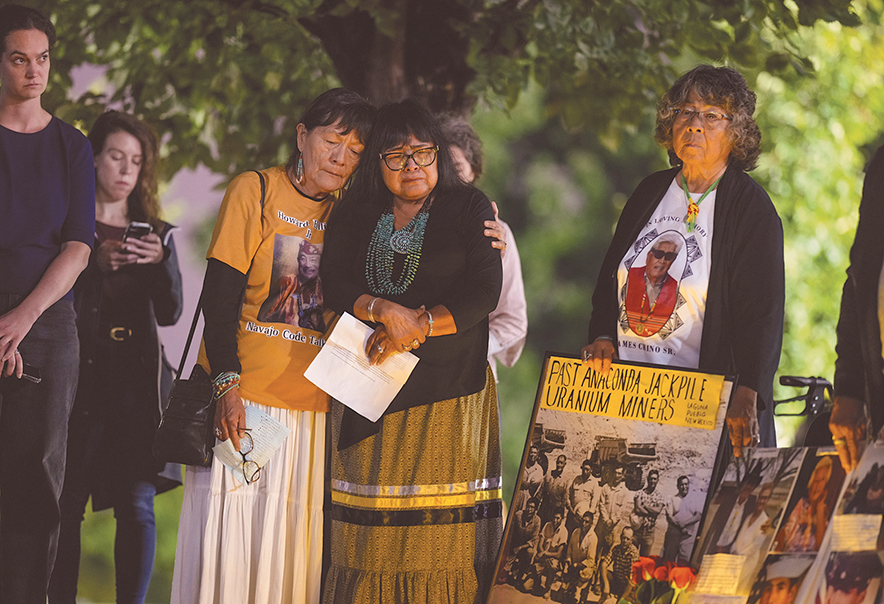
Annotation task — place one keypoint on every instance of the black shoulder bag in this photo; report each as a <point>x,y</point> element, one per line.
<point>186,431</point>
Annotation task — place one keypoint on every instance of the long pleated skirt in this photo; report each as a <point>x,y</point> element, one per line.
<point>416,509</point>
<point>258,543</point>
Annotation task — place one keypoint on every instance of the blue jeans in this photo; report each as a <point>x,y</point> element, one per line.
<point>33,439</point>
<point>134,544</point>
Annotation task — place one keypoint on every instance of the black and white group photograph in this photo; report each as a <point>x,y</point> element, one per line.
<point>596,493</point>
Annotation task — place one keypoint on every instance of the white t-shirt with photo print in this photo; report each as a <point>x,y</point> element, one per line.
<point>664,324</point>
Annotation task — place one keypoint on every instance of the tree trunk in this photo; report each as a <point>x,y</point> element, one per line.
<point>425,55</point>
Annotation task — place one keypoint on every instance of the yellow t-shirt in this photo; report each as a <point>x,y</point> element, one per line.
<point>283,322</point>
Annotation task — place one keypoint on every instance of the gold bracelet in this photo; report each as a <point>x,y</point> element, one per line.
<point>430,320</point>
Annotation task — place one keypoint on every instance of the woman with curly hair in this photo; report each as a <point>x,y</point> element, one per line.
<point>131,286</point>
<point>727,292</point>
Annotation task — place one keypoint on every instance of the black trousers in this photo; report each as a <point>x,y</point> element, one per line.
<point>33,440</point>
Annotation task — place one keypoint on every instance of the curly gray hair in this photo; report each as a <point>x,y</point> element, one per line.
<point>724,87</point>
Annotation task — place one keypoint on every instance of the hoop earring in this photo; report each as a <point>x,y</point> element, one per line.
<point>299,172</point>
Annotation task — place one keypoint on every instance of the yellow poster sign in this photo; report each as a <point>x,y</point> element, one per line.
<point>651,394</point>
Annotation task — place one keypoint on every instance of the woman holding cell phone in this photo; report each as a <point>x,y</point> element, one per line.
<point>132,284</point>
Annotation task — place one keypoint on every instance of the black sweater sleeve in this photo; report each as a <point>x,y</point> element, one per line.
<point>221,299</point>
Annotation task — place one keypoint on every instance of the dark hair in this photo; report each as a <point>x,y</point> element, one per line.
<point>726,88</point>
<point>533,500</point>
<point>143,203</point>
<point>15,17</point>
<point>395,123</point>
<point>461,135</point>
<point>655,473</point>
<point>683,477</point>
<point>332,106</point>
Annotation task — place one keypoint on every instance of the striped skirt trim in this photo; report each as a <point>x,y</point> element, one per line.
<point>439,496</point>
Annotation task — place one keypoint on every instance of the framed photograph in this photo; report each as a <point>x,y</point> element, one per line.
<point>615,467</point>
<point>743,517</point>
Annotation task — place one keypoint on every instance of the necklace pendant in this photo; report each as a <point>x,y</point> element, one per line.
<point>400,241</point>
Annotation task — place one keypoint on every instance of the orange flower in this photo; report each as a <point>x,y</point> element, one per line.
<point>661,573</point>
<point>681,577</point>
<point>643,570</point>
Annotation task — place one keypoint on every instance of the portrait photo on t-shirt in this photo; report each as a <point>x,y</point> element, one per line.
<point>295,296</point>
<point>651,293</point>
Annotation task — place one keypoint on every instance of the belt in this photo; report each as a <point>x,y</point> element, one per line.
<point>120,334</point>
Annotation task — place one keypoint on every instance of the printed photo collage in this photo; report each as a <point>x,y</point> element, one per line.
<point>786,526</point>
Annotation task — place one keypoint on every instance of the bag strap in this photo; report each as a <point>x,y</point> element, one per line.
<point>199,304</point>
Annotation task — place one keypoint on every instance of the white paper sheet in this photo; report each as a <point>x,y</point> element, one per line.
<point>267,435</point>
<point>341,369</point>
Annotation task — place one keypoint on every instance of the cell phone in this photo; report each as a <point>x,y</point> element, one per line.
<point>29,373</point>
<point>137,230</point>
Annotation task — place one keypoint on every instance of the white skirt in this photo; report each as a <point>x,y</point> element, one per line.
<point>259,543</point>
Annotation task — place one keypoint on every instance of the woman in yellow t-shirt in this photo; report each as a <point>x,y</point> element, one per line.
<point>257,537</point>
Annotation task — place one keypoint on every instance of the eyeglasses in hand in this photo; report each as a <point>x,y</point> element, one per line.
<point>251,471</point>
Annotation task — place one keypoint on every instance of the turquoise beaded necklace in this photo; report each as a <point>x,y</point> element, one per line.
<point>385,241</point>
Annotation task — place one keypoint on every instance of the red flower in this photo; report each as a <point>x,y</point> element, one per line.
<point>681,577</point>
<point>643,570</point>
<point>661,573</point>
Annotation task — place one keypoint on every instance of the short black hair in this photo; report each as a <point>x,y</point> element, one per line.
<point>394,125</point>
<point>338,104</point>
<point>15,17</point>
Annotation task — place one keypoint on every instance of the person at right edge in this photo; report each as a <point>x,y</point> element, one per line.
<point>859,381</point>
<point>728,315</point>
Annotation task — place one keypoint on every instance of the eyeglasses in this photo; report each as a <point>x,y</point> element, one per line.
<point>668,256</point>
<point>251,471</point>
<point>707,118</point>
<point>397,160</point>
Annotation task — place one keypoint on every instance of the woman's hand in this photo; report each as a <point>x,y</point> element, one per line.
<point>495,229</point>
<point>147,249</point>
<point>111,256</point>
<point>230,417</point>
<point>402,325</point>
<point>14,326</point>
<point>742,420</point>
<point>848,427</point>
<point>599,355</point>
<point>379,348</point>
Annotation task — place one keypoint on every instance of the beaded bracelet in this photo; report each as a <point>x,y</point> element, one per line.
<point>370,308</point>
<point>430,319</point>
<point>225,382</point>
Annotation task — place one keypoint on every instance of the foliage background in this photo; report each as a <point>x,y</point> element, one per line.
<point>567,137</point>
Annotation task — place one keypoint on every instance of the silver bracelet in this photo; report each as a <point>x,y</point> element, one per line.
<point>370,308</point>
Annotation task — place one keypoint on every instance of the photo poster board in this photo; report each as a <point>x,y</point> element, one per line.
<point>636,421</point>
<point>767,525</point>
<point>850,566</point>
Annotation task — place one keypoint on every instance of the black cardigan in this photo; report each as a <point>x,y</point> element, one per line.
<point>743,326</point>
<point>458,269</point>
<point>859,363</point>
<point>156,295</point>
